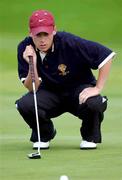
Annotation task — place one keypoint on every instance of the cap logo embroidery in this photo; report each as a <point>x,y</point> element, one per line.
<point>40,20</point>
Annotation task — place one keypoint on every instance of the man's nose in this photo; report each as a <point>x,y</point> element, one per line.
<point>42,39</point>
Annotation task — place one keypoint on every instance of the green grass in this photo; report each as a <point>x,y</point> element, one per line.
<point>64,156</point>
<point>91,19</point>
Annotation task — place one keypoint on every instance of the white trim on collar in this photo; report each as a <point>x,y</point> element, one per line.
<point>53,47</point>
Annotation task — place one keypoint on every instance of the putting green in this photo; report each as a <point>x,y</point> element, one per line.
<point>99,21</point>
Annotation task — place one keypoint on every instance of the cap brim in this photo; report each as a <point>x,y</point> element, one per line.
<point>37,30</point>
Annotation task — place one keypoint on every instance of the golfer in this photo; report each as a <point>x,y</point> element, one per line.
<point>63,65</point>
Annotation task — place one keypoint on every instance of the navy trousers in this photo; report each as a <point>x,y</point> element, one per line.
<point>52,103</point>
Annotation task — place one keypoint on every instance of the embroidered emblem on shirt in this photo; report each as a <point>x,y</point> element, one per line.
<point>62,69</point>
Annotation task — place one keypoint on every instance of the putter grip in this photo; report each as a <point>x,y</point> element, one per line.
<point>31,67</point>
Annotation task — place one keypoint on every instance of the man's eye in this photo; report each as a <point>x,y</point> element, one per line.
<point>42,34</point>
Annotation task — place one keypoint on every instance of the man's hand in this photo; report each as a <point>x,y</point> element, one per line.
<point>88,92</point>
<point>93,91</point>
<point>29,51</point>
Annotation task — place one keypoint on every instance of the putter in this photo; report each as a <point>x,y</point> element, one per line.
<point>35,155</point>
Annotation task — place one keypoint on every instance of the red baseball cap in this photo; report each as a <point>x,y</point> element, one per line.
<point>41,21</point>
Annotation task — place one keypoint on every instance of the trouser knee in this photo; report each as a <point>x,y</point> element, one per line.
<point>97,103</point>
<point>24,105</point>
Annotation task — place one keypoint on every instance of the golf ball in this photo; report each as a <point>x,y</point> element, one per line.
<point>64,177</point>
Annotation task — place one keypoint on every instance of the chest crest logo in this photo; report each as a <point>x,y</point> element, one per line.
<point>63,69</point>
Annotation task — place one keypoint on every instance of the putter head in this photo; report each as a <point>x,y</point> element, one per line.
<point>34,155</point>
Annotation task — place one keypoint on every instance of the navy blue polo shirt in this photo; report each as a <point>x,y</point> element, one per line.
<point>69,64</point>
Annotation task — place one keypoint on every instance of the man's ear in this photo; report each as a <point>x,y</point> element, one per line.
<point>30,34</point>
<point>55,30</point>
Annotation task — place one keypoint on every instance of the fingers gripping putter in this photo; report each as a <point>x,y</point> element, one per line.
<point>36,155</point>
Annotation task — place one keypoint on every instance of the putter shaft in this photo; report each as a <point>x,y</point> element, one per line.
<point>34,155</point>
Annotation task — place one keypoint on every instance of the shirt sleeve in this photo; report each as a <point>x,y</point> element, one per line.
<point>95,54</point>
<point>23,66</point>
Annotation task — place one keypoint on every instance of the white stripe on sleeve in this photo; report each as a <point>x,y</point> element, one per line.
<point>107,59</point>
<point>23,79</point>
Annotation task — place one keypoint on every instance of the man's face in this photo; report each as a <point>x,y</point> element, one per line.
<point>43,41</point>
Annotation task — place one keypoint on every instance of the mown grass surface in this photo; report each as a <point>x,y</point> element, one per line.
<point>96,20</point>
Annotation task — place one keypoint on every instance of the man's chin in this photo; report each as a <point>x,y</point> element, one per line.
<point>43,50</point>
